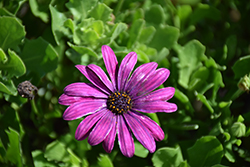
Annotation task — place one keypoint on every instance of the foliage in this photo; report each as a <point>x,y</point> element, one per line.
<point>205,44</point>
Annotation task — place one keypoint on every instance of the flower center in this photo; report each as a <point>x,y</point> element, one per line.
<point>119,103</point>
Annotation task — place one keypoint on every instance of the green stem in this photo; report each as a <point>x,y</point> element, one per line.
<point>34,108</point>
<point>237,94</point>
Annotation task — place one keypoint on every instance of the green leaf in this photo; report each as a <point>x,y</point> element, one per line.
<point>74,160</point>
<point>7,86</point>
<point>4,89</point>
<point>98,26</point>
<point>238,129</point>
<point>101,12</point>
<point>140,151</point>
<point>155,15</point>
<point>39,57</point>
<point>228,152</point>
<point>117,30</point>
<point>83,50</point>
<point>70,24</point>
<point>167,156</point>
<point>184,164</point>
<point>13,65</point>
<point>11,32</point>
<point>184,12</point>
<point>204,11</point>
<point>147,34</point>
<point>134,32</point>
<point>216,130</point>
<point>3,57</point>
<point>88,37</point>
<point>2,149</point>
<point>240,118</point>
<point>104,161</point>
<point>216,79</point>
<point>204,100</point>
<point>4,12</point>
<point>80,9</point>
<point>57,24</point>
<point>13,153</point>
<point>39,160</point>
<point>198,79</point>
<point>165,37</point>
<point>190,57</point>
<point>144,52</point>
<point>181,96</point>
<point>40,9</point>
<point>162,55</point>
<point>13,6</point>
<point>206,151</point>
<point>55,151</point>
<point>241,67</point>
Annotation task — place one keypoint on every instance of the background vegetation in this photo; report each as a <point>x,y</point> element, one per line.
<point>204,43</point>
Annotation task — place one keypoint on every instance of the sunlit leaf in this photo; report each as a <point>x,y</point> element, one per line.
<point>104,161</point>
<point>167,156</point>
<point>55,151</point>
<point>80,9</point>
<point>13,65</point>
<point>13,153</point>
<point>155,15</point>
<point>206,151</point>
<point>101,12</point>
<point>135,31</point>
<point>241,67</point>
<point>164,37</point>
<point>58,28</point>
<point>190,57</point>
<point>39,57</point>
<point>11,32</point>
<point>40,9</point>
<point>140,151</point>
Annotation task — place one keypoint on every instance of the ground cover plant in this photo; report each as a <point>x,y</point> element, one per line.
<point>204,44</point>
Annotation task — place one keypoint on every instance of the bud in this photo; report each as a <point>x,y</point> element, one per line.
<point>27,90</point>
<point>244,83</point>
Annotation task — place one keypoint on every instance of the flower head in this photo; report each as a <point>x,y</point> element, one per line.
<point>113,106</point>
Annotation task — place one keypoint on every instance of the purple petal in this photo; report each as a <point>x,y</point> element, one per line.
<point>108,142</point>
<point>84,89</point>
<point>142,134</point>
<point>127,65</point>
<point>69,100</point>
<point>152,126</point>
<point>84,128</point>
<point>111,63</point>
<point>139,75</point>
<point>102,128</point>
<point>98,73</point>
<point>152,82</point>
<point>97,77</point>
<point>163,94</point>
<point>80,109</point>
<point>125,140</point>
<point>155,106</point>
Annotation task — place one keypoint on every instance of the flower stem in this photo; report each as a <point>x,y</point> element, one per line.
<point>34,108</point>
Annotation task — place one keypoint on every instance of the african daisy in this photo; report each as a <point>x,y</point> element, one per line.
<point>114,106</point>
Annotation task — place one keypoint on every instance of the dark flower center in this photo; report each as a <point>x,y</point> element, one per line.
<point>119,103</point>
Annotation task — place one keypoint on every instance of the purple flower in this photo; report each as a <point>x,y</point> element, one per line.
<point>113,106</point>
